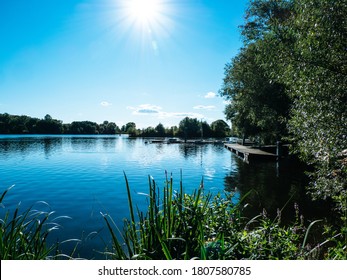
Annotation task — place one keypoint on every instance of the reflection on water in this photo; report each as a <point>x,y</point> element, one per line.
<point>81,176</point>
<point>272,186</point>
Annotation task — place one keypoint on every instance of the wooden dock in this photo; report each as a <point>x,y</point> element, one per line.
<point>249,153</point>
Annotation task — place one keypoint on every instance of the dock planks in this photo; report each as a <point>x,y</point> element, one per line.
<point>249,153</point>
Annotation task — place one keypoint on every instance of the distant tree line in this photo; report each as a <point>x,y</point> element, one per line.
<point>14,124</point>
<point>187,128</point>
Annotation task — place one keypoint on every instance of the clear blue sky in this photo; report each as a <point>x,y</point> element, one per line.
<point>145,61</point>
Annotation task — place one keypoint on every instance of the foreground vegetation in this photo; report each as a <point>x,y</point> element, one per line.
<point>184,226</point>
<point>201,226</point>
<point>24,234</point>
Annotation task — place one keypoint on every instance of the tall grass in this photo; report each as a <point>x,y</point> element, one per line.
<point>201,226</point>
<point>24,234</point>
<point>337,235</point>
<point>177,225</point>
<point>172,227</point>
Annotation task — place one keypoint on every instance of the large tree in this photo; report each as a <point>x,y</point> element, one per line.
<point>317,74</point>
<point>259,105</point>
<point>129,128</point>
<point>189,128</point>
<point>220,128</point>
<point>160,130</point>
<point>302,45</point>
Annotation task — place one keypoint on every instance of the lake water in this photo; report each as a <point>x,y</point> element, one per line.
<point>82,176</point>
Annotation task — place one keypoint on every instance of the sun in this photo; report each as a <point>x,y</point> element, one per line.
<point>144,12</point>
<point>144,23</point>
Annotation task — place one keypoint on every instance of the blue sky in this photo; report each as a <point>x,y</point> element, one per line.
<point>145,61</point>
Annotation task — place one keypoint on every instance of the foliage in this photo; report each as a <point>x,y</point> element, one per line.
<point>108,128</point>
<point>13,124</point>
<point>337,237</point>
<point>258,105</point>
<point>178,226</point>
<point>83,127</point>
<point>201,226</point>
<point>318,78</point>
<point>189,128</point>
<point>267,240</point>
<point>23,124</point>
<point>160,130</point>
<point>129,128</point>
<point>23,236</point>
<point>165,231</point>
<point>301,47</point>
<point>219,129</point>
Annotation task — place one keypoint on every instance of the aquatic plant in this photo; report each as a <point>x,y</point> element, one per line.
<point>177,225</point>
<point>24,234</point>
<point>337,236</point>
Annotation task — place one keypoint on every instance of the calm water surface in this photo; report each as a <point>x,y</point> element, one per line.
<point>82,176</point>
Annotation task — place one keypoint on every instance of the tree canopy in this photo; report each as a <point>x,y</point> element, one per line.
<point>291,77</point>
<point>259,105</point>
<point>14,124</point>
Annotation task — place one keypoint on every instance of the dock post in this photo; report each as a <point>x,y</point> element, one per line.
<point>279,151</point>
<point>244,140</point>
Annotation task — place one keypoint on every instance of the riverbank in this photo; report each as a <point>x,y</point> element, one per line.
<point>177,225</point>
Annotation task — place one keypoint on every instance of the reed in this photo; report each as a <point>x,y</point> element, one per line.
<point>177,225</point>
<point>172,227</point>
<point>24,234</point>
<point>200,225</point>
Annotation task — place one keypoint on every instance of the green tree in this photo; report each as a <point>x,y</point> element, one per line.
<point>110,128</point>
<point>206,129</point>
<point>309,38</point>
<point>220,128</point>
<point>129,128</point>
<point>83,127</point>
<point>102,128</point>
<point>160,130</point>
<point>172,131</point>
<point>48,118</point>
<point>148,132</point>
<point>259,106</point>
<point>17,124</point>
<point>48,125</point>
<point>189,128</point>
<point>317,74</point>
<point>4,123</point>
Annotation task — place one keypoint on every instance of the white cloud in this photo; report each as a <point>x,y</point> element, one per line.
<point>180,115</point>
<point>204,107</point>
<point>149,109</point>
<point>105,104</point>
<point>145,109</point>
<point>210,95</point>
